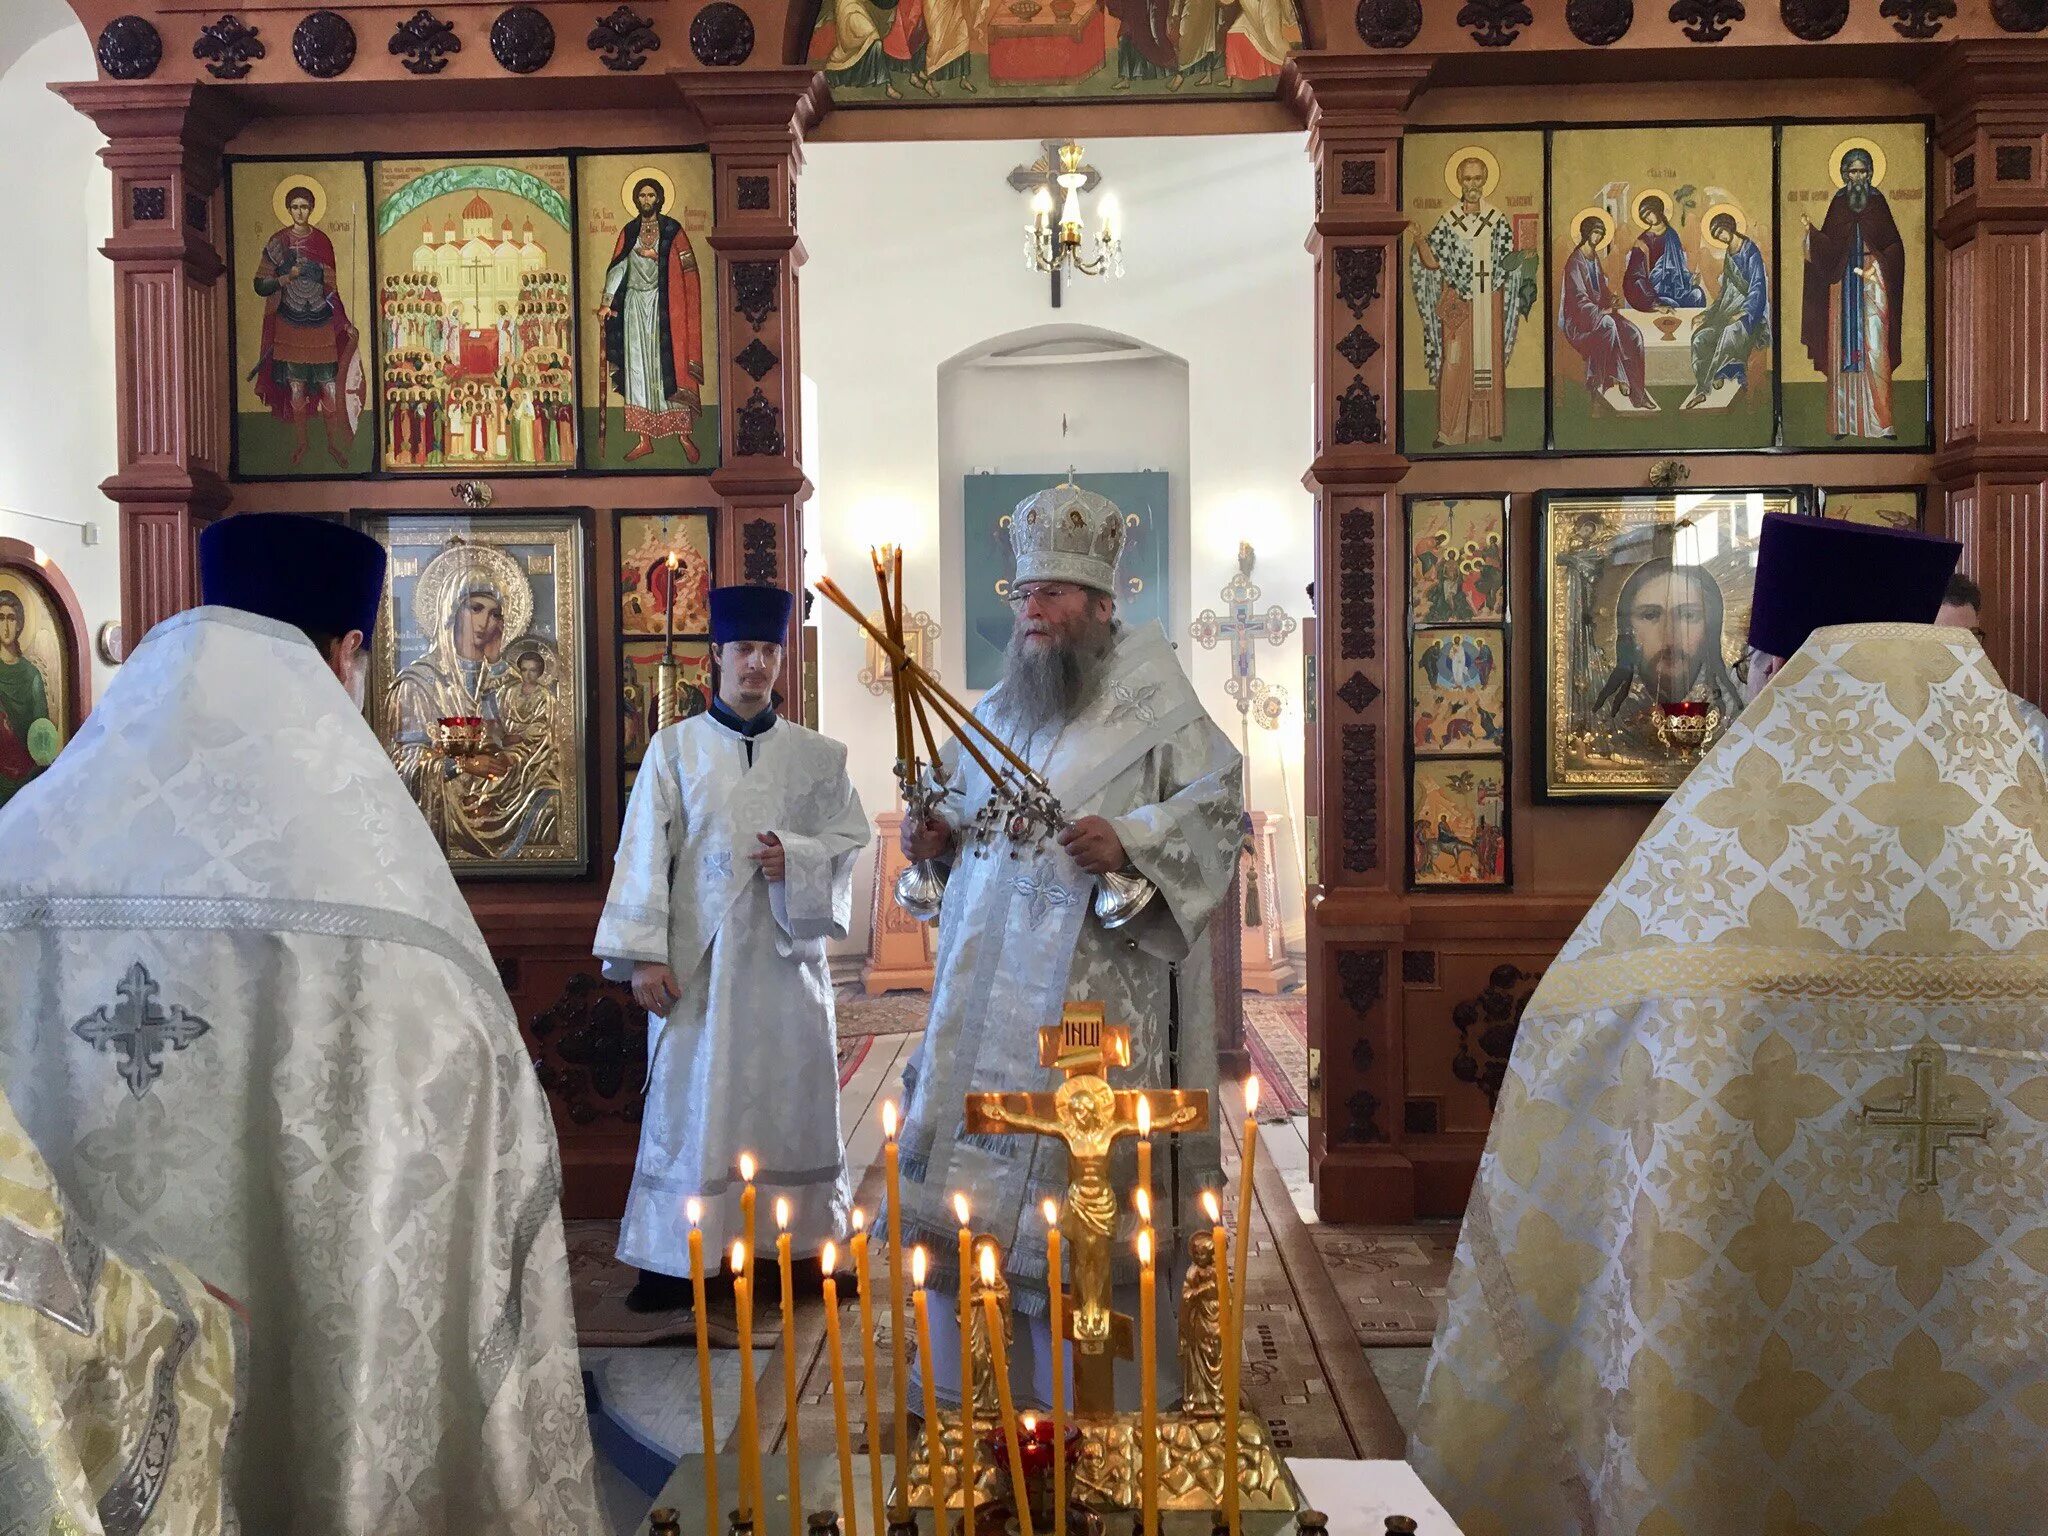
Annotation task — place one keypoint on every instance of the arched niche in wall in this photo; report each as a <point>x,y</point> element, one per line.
<point>1035,403</point>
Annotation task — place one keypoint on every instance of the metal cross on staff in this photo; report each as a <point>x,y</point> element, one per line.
<point>1244,629</point>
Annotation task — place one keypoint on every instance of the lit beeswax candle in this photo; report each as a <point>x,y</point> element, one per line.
<point>966,1365</point>
<point>898,1335</point>
<point>1148,1369</point>
<point>999,1362</point>
<point>750,1418</point>
<point>867,1365</point>
<point>1056,1300</point>
<point>795,1455</point>
<point>934,1461</point>
<point>695,1211</point>
<point>839,1426</point>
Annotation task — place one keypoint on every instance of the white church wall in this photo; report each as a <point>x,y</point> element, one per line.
<point>916,258</point>
<point>56,311</point>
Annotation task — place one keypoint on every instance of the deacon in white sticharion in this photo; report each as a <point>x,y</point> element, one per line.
<point>734,869</point>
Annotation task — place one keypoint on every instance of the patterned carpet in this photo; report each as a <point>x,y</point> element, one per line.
<point>1276,1035</point>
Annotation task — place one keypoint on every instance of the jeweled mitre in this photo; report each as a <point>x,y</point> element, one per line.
<point>1068,534</point>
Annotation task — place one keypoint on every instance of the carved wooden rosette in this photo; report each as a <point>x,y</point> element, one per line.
<point>1990,195</point>
<point>1354,109</point>
<point>756,123</point>
<point>170,330</point>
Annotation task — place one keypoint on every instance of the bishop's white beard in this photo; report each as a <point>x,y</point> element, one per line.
<point>358,684</point>
<point>1043,684</point>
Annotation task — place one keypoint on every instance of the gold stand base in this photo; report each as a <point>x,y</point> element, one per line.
<point>1105,1473</point>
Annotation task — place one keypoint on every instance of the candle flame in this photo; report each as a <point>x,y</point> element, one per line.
<point>1144,1117</point>
<point>860,1219</point>
<point>673,561</point>
<point>1051,1208</point>
<point>825,1259</point>
<point>739,1257</point>
<point>781,1214</point>
<point>1123,1050</point>
<point>1145,1247</point>
<point>1251,1094</point>
<point>694,1209</point>
<point>747,1166</point>
<point>960,1208</point>
<point>889,1119</point>
<point>1143,1200</point>
<point>1212,1207</point>
<point>1030,1423</point>
<point>917,1266</point>
<point>988,1265</point>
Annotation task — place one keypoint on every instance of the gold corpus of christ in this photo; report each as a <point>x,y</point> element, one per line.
<point>1022,807</point>
<point>1104,1476</point>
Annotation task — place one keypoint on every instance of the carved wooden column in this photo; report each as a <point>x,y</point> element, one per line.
<point>170,331</point>
<point>1991,471</point>
<point>1354,108</point>
<point>757,120</point>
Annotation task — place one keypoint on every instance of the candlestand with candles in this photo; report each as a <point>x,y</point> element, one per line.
<point>1109,1474</point>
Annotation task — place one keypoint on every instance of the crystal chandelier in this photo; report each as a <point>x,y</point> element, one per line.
<point>1055,245</point>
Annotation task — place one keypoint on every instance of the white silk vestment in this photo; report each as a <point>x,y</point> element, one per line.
<point>1018,941</point>
<point>117,1374</point>
<point>248,1020</point>
<point>1714,1278</point>
<point>747,1060</point>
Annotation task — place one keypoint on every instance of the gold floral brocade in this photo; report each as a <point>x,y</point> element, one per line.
<point>1760,1239</point>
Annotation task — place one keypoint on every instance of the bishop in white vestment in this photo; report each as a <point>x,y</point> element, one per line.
<point>1149,785</point>
<point>249,1022</point>
<point>735,868</point>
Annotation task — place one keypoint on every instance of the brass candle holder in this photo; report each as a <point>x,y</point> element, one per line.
<point>1104,1453</point>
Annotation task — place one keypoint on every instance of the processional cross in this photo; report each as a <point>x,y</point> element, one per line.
<point>1244,629</point>
<point>1089,1116</point>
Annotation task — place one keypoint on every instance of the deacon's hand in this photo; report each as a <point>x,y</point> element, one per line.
<point>1093,844</point>
<point>654,987</point>
<point>769,855</point>
<point>926,839</point>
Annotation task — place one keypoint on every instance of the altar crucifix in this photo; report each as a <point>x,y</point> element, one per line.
<point>1090,1117</point>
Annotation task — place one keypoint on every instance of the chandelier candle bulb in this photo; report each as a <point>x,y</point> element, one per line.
<point>934,1462</point>
<point>795,1456</point>
<point>1148,1372</point>
<point>694,1210</point>
<point>865,1287</point>
<point>845,1436</point>
<point>750,1419</point>
<point>898,1342</point>
<point>1056,1301</point>
<point>966,1365</point>
<point>999,1363</point>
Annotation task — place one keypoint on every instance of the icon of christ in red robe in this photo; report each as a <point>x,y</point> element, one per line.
<point>307,366</point>
<point>654,327</point>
